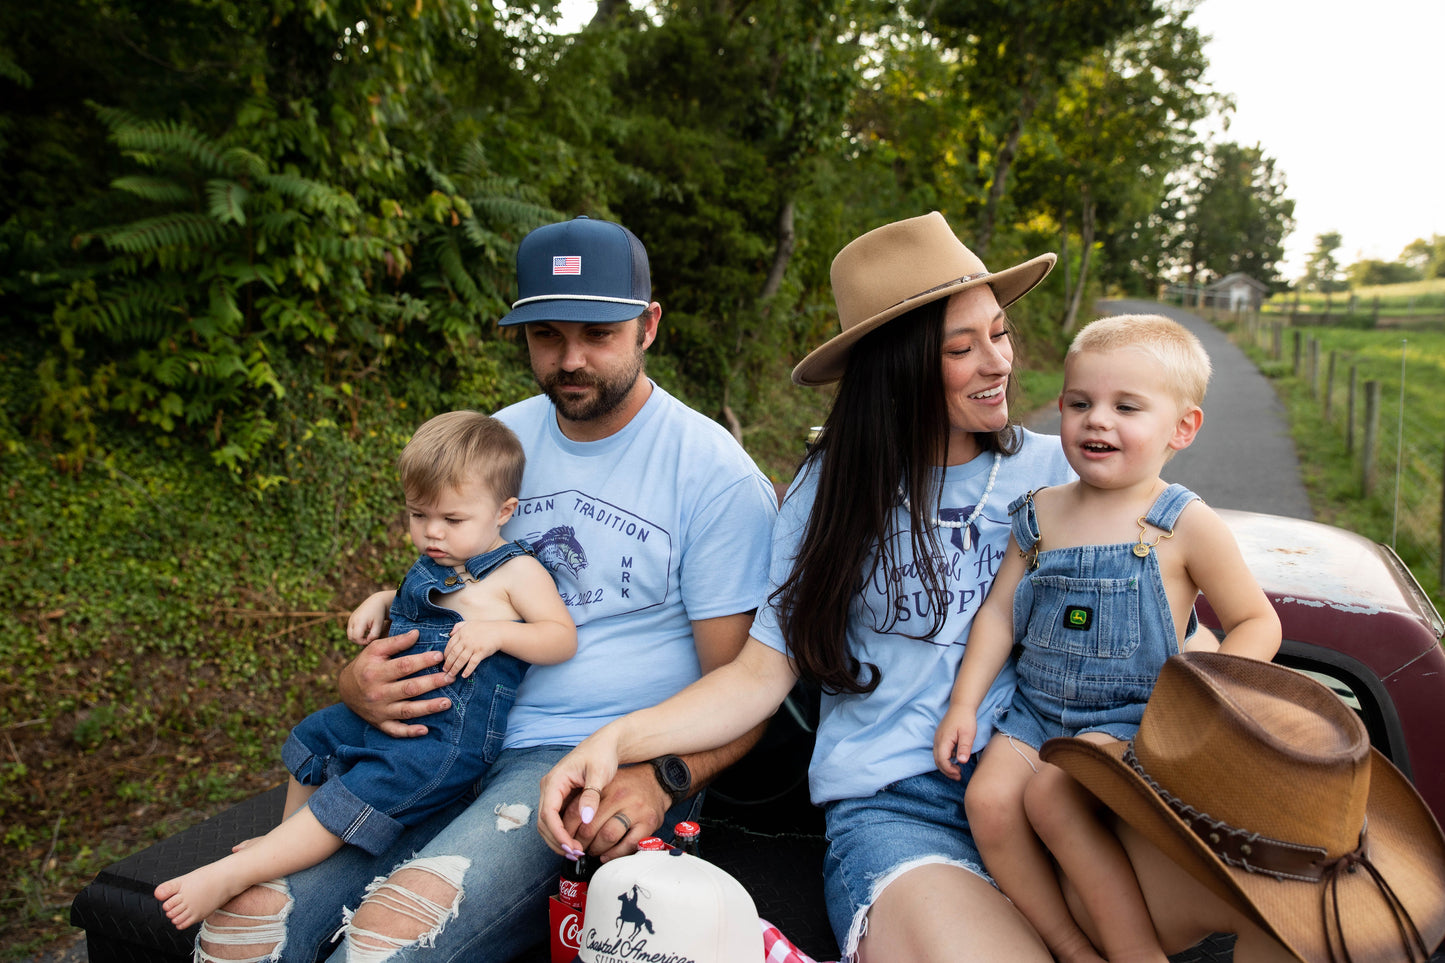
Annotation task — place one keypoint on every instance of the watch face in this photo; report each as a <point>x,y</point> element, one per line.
<point>676,773</point>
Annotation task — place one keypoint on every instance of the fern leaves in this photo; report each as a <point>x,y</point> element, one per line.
<point>151,235</point>
<point>226,201</point>
<point>234,259</point>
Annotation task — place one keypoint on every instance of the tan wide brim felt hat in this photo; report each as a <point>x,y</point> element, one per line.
<point>1248,749</point>
<point>899,267</point>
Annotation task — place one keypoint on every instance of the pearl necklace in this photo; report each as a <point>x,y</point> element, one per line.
<point>977,509</point>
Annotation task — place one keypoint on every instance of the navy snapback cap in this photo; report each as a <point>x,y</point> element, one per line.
<point>580,270</point>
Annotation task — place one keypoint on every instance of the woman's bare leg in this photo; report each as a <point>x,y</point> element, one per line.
<point>938,913</point>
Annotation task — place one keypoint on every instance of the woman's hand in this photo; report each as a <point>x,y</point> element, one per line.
<point>580,776</point>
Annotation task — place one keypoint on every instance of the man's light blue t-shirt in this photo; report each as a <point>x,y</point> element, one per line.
<point>662,523</point>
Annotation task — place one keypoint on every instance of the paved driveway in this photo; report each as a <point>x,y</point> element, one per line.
<point>1243,457</point>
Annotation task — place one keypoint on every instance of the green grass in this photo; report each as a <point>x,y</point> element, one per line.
<point>1414,299</point>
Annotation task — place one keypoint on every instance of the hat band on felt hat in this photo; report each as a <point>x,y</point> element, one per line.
<point>1247,850</point>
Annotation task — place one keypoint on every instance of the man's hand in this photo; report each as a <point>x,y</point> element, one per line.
<point>629,809</point>
<point>381,690</point>
<point>588,804</point>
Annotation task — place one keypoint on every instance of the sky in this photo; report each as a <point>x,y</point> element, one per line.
<point>1346,97</point>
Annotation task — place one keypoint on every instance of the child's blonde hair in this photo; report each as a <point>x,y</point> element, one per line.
<point>457,447</point>
<point>1185,363</point>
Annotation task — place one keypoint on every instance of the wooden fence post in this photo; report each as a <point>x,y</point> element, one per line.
<point>1350,423</point>
<point>1330,386</point>
<point>1314,367</point>
<point>1372,431</point>
<point>1298,351</point>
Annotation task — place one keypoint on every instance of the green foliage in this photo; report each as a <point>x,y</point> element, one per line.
<point>1100,161</point>
<point>1426,257</point>
<point>170,625</point>
<point>1231,215</point>
<point>1322,269</point>
<point>232,254</point>
<point>1372,272</point>
<point>346,183</point>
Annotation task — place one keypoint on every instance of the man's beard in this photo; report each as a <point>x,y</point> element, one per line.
<point>610,392</point>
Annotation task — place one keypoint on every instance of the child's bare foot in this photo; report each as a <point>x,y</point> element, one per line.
<point>245,843</point>
<point>191,898</point>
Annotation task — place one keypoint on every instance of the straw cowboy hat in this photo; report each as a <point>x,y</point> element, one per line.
<point>1262,784</point>
<point>899,267</point>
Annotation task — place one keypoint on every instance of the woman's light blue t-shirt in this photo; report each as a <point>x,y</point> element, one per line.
<point>866,742</point>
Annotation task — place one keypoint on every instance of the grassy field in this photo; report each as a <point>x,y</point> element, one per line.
<point>1420,300</point>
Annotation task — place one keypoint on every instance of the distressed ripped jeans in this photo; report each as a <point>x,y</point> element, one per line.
<point>477,891</point>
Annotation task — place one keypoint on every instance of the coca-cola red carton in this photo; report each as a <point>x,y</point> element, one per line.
<point>566,938</point>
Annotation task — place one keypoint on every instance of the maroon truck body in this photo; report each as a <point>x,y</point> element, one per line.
<point>1355,617</point>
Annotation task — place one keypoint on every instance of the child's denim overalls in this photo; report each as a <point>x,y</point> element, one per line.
<point>1095,628</point>
<point>371,785</point>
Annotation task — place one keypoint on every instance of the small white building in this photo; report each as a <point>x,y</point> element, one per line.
<point>1235,292</point>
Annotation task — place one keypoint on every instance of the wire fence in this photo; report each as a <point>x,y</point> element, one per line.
<point>1368,399</point>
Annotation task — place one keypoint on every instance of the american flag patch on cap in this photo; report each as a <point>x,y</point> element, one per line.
<point>566,264</point>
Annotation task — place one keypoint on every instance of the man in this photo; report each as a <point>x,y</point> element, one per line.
<point>656,526</point>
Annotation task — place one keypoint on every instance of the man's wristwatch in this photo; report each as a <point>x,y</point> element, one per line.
<point>674,776</point>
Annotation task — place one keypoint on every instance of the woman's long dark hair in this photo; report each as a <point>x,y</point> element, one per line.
<point>888,429</point>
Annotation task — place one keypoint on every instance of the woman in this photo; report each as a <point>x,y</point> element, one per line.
<point>884,548</point>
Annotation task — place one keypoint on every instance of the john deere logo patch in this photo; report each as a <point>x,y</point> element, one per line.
<point>1078,617</point>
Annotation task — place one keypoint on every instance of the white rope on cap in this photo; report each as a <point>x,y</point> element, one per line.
<point>577,297</point>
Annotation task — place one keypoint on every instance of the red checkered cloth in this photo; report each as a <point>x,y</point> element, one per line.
<point>777,948</point>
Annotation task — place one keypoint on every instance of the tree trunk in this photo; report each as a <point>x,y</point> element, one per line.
<point>783,254</point>
<point>729,419</point>
<point>1064,250</point>
<point>1086,249</point>
<point>1001,170</point>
